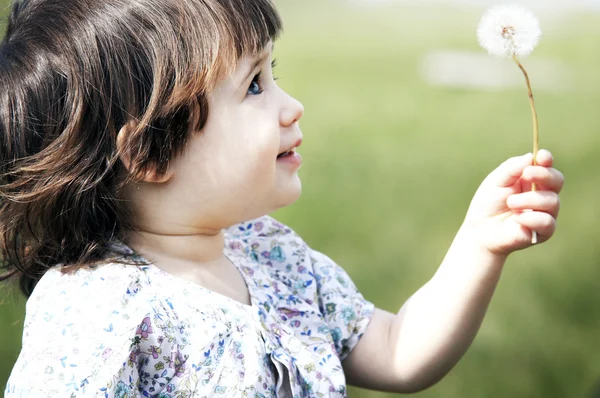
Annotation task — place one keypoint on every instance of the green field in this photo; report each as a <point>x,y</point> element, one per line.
<point>390,165</point>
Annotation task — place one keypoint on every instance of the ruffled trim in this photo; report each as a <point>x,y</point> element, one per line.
<point>263,258</point>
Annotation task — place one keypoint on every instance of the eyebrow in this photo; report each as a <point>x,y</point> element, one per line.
<point>257,62</point>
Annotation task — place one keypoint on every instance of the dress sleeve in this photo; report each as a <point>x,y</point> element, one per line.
<point>345,310</point>
<point>155,361</point>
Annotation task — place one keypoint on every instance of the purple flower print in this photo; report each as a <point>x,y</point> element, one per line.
<point>155,351</point>
<point>133,357</point>
<point>145,328</point>
<point>258,226</point>
<point>235,245</point>
<point>177,361</point>
<point>306,316</point>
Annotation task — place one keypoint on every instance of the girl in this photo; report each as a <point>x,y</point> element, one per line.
<point>143,143</point>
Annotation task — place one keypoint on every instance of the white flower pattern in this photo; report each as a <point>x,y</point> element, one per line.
<point>135,331</point>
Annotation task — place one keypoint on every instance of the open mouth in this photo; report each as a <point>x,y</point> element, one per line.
<point>286,153</point>
<point>291,152</point>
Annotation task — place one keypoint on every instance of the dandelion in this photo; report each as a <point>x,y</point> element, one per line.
<point>509,30</point>
<point>512,31</point>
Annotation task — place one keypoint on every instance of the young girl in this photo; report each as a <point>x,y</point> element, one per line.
<point>143,142</point>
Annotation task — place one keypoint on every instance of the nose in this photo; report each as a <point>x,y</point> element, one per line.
<point>291,112</point>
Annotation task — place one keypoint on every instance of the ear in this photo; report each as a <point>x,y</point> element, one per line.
<point>150,176</point>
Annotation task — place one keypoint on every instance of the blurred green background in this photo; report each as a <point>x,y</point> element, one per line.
<point>391,162</point>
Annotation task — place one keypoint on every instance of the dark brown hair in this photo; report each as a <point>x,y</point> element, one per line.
<point>72,74</point>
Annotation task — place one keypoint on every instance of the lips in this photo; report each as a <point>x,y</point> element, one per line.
<point>290,149</point>
<point>287,153</point>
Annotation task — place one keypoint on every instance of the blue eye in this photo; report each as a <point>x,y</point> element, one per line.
<point>255,87</point>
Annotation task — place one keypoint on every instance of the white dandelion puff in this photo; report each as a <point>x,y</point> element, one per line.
<point>509,30</point>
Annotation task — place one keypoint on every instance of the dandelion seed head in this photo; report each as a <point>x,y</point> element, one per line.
<point>509,30</point>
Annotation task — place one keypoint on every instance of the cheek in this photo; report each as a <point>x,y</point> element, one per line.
<point>255,139</point>
<point>249,153</point>
<point>238,150</point>
<point>257,161</point>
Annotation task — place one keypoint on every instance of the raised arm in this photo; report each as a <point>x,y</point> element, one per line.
<point>414,349</point>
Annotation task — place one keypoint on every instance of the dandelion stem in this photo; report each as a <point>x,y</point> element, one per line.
<point>536,133</point>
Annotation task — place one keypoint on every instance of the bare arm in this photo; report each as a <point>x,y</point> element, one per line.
<point>414,349</point>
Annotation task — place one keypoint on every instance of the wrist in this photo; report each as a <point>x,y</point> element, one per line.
<point>469,249</point>
<point>469,268</point>
<point>475,239</point>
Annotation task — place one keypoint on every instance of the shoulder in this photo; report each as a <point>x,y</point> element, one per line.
<point>74,308</point>
<point>88,327</point>
<point>89,308</point>
<point>101,286</point>
<point>266,240</point>
<point>262,227</point>
<point>268,243</point>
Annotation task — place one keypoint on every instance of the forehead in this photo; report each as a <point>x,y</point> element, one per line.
<point>250,61</point>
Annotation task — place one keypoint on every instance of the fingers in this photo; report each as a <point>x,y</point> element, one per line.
<point>510,171</point>
<point>545,178</point>
<point>521,167</point>
<point>544,158</point>
<point>538,201</point>
<point>543,223</point>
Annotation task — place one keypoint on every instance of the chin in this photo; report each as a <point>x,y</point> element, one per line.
<point>281,197</point>
<point>289,195</point>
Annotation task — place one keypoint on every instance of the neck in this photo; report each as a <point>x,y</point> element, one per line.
<point>199,247</point>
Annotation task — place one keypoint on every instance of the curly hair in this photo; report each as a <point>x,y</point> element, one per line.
<point>72,74</point>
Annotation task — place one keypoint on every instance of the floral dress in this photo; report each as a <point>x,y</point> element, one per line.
<point>119,330</point>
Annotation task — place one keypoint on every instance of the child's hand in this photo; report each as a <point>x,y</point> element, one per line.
<point>504,211</point>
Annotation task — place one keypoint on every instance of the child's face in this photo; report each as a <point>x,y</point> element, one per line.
<point>230,170</point>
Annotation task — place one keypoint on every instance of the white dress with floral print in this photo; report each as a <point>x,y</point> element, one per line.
<point>135,331</point>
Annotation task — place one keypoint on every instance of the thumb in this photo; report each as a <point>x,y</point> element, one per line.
<point>510,171</point>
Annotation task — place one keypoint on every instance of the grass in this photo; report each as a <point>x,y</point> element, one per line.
<point>391,164</point>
